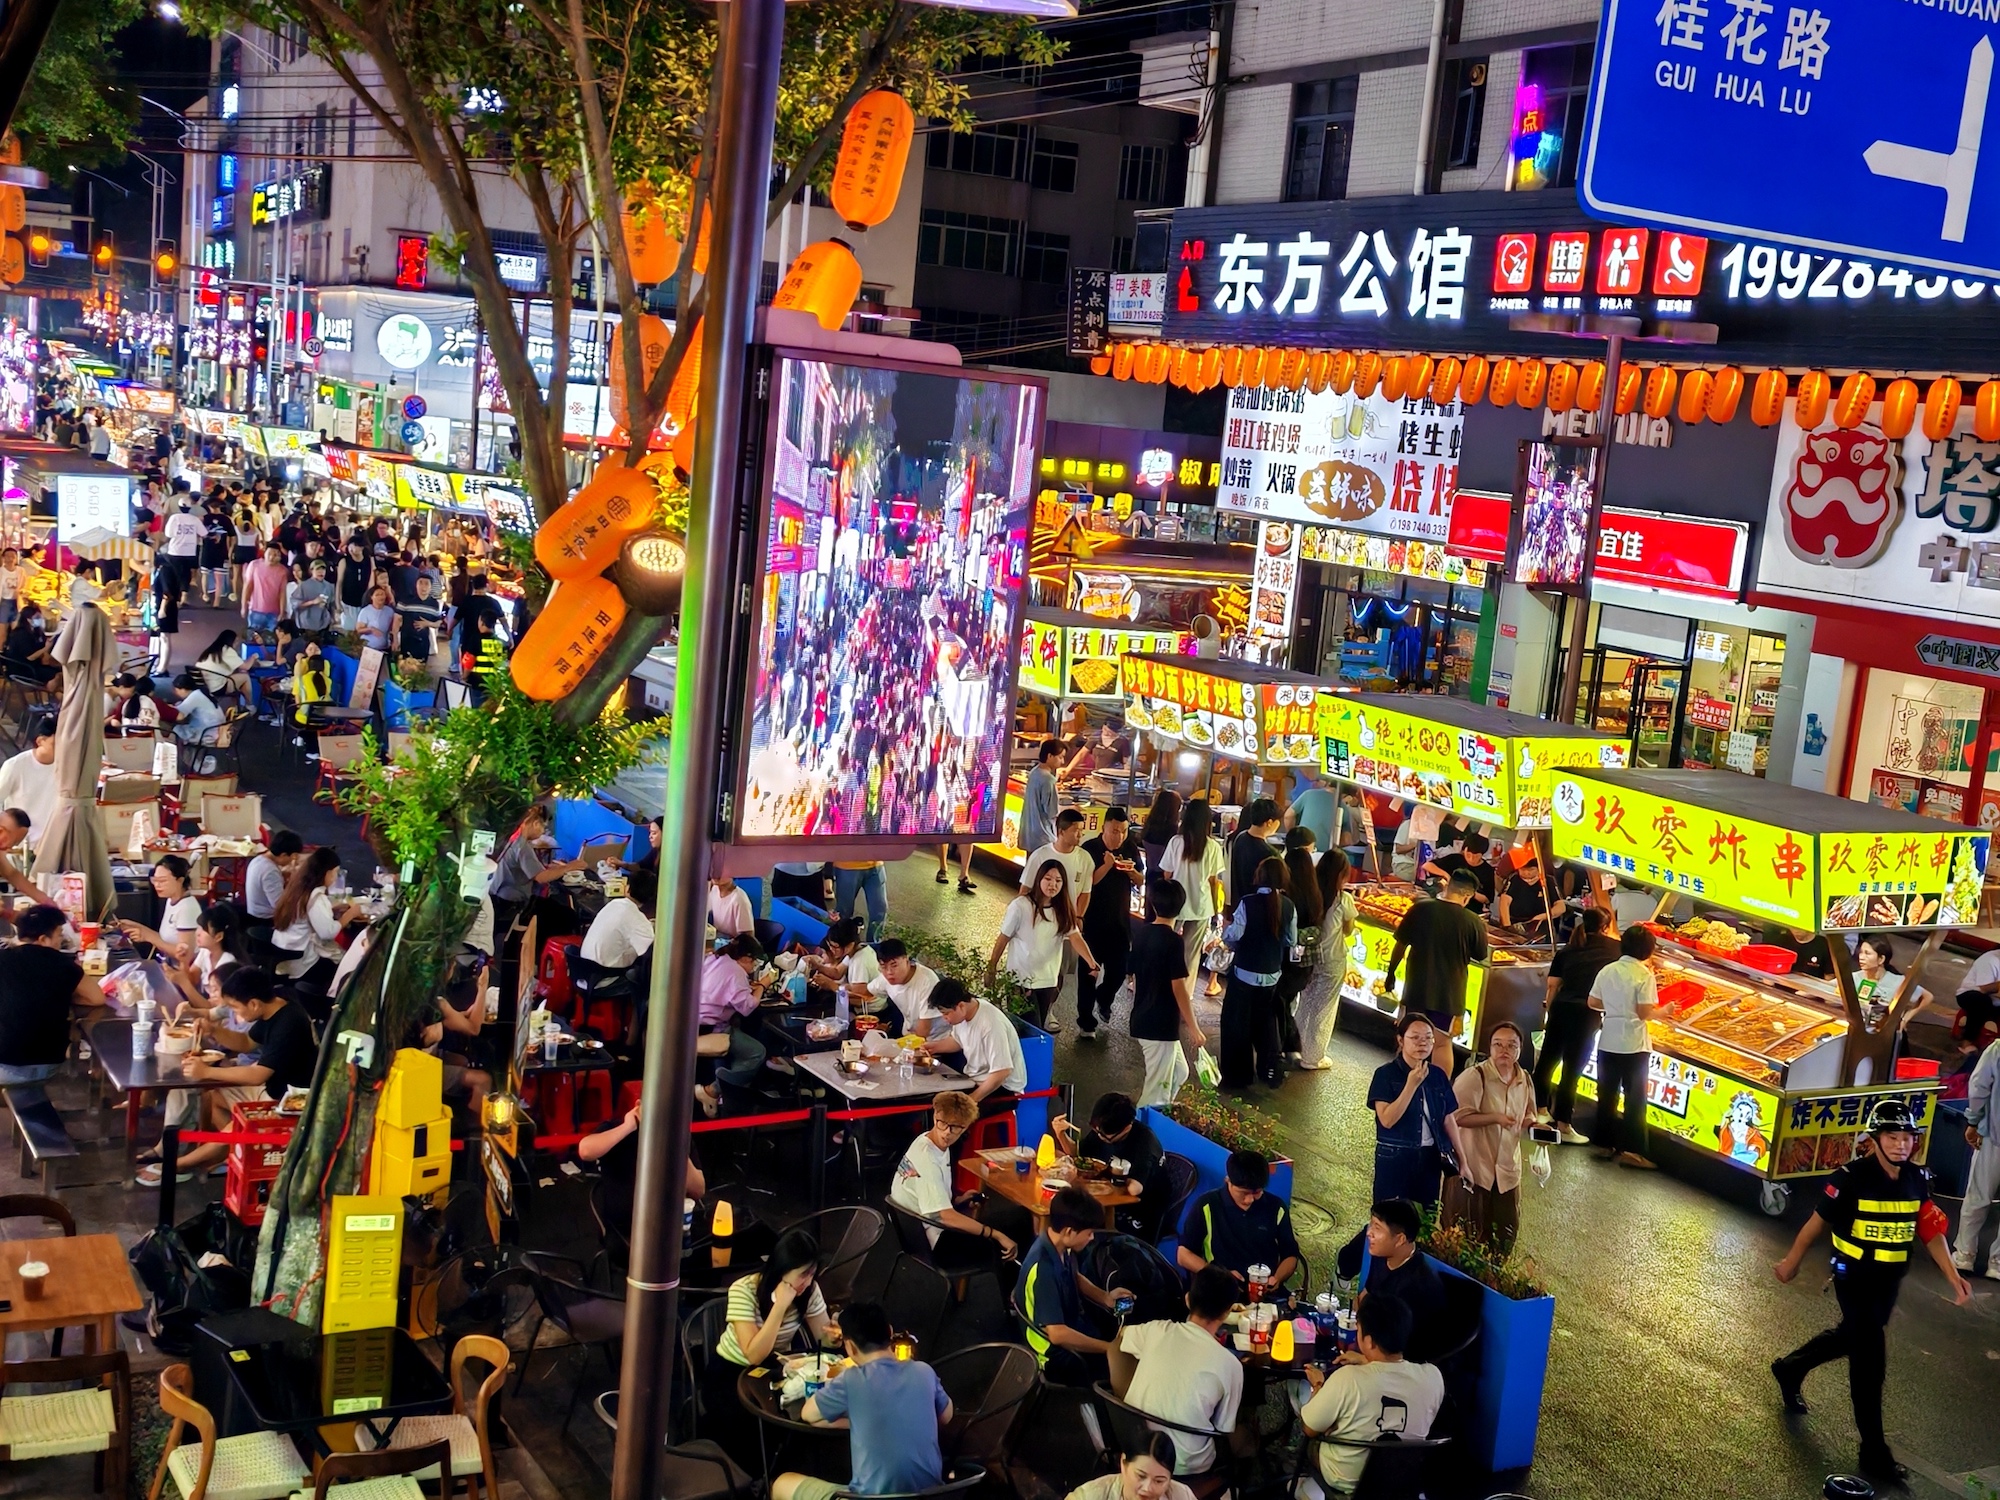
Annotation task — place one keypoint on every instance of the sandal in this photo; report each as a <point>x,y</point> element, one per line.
<point>149,1176</point>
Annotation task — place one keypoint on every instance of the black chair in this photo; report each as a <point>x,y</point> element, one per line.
<point>1125,1260</point>
<point>701,1330</point>
<point>699,1470</point>
<point>992,1388</point>
<point>1179,1175</point>
<point>846,1237</point>
<point>916,1242</point>
<point>957,1480</point>
<point>1395,1466</point>
<point>1127,1427</point>
<point>614,1245</point>
<point>915,1300</point>
<point>592,1319</point>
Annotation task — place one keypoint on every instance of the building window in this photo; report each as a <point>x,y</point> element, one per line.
<point>322,130</point>
<point>1142,174</point>
<point>967,242</point>
<point>989,151</point>
<point>1465,87</point>
<point>1322,139</point>
<point>353,120</point>
<point>1052,167</point>
<point>1045,257</point>
<point>1548,115</point>
<point>1121,253</point>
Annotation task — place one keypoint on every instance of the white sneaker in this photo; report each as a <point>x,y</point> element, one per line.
<point>1993,1269</point>
<point>1569,1135</point>
<point>1964,1262</point>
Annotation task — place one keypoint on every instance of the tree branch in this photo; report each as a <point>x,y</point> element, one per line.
<point>864,79</point>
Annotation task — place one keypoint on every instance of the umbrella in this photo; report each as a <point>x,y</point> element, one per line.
<point>74,839</point>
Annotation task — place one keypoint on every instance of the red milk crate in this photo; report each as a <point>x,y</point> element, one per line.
<point>246,1189</point>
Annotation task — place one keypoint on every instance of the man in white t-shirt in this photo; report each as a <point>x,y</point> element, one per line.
<point>1067,851</point>
<point>922,1186</point>
<point>622,933</point>
<point>1374,1393</point>
<point>1185,1376</point>
<point>28,780</point>
<point>907,985</point>
<point>984,1036</point>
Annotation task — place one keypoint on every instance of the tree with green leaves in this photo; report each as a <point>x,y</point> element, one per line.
<point>587,107</point>
<point>74,112</point>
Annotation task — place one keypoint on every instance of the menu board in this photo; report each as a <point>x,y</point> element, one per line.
<point>1081,661</point>
<point>1041,659</point>
<point>1274,580</point>
<point>1818,1132</point>
<point>1407,756</point>
<point>1917,879</point>
<point>1207,711</point>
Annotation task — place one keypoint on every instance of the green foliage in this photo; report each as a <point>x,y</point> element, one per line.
<point>73,112</point>
<point>1456,1245</point>
<point>1231,1124</point>
<point>955,960</point>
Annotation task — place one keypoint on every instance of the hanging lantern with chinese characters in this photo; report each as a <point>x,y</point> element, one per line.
<point>1631,382</point>
<point>1562,386</point>
<point>1899,408</point>
<point>1725,394</point>
<point>1340,373</point>
<point>1986,412</point>
<point>1590,386</point>
<point>1319,370</point>
<point>584,536</point>
<point>1815,390</point>
<point>874,147</point>
<point>1941,404</point>
<point>1444,381</point>
<point>1533,381</point>
<point>1180,371</point>
<point>1274,368</point>
<point>1506,374</point>
<point>1392,377</point>
<point>1122,359</point>
<point>1367,374</point>
<point>1295,369</point>
<point>1661,382</point>
<point>652,248</point>
<point>1211,367</point>
<point>1253,365</point>
<point>1767,398</point>
<point>1695,389</point>
<point>1417,370</point>
<point>575,625</point>
<point>1472,379</point>
<point>1857,394</point>
<point>653,341</point>
<point>825,280</point>
<point>1232,366</point>
<point>678,420</point>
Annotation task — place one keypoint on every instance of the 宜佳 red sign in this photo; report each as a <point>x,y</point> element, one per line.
<point>1637,548</point>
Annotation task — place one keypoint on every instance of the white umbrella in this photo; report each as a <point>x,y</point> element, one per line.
<point>74,839</point>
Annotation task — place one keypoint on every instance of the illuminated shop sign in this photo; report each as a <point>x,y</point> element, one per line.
<point>304,195</point>
<point>1447,273</point>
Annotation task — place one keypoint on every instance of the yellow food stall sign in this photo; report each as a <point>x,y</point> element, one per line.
<point>1711,1110</point>
<point>1673,842</point>
<point>1818,1132</point>
<point>1210,705</point>
<point>1090,660</point>
<point>1537,759</point>
<point>1041,659</point>
<point>1908,879</point>
<point>1368,953</point>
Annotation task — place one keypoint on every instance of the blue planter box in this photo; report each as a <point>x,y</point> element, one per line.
<point>802,924</point>
<point>1210,1160</point>
<point>1513,1364</point>
<point>1038,1050</point>
<point>400,708</point>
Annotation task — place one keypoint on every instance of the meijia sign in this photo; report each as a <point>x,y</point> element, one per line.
<point>1847,126</point>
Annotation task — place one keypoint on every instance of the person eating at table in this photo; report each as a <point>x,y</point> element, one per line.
<point>879,1399</point>
<point>129,705</point>
<point>307,926</point>
<point>845,962</point>
<point>615,1150</point>
<point>180,909</point>
<point>218,944</point>
<point>984,1037</point>
<point>1183,1373</point>
<point>38,985</point>
<point>1116,1132</point>
<point>1240,1225</point>
<point>198,713</point>
<point>14,827</point>
<point>729,910</point>
<point>519,874</point>
<point>922,1186</point>
<point>1374,1393</point>
<point>266,1023</point>
<point>728,994</point>
<point>765,1311</point>
<point>621,934</point>
<point>264,882</point>
<point>907,985</point>
<point>1054,1294</point>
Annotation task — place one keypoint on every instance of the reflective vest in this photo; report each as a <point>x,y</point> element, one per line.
<point>1881,1233</point>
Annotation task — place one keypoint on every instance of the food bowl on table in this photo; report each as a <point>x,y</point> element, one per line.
<point>1090,1166</point>
<point>573,877</point>
<point>175,1041</point>
<point>865,1024</point>
<point>824,1030</point>
<point>213,1057</point>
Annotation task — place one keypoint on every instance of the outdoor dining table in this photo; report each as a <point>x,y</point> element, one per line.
<point>883,1083</point>
<point>307,1381</point>
<point>111,1046</point>
<point>995,1168</point>
<point>88,1285</point>
<point>759,1390</point>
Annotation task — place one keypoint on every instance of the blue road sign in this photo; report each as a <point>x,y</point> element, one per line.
<point>413,433</point>
<point>414,407</point>
<point>1849,126</point>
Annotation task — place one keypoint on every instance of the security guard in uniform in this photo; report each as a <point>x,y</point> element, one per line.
<point>1878,1208</point>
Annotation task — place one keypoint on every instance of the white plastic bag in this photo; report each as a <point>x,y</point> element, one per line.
<point>1539,1164</point>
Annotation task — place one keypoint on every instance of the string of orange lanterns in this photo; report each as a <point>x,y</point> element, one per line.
<point>1695,395</point>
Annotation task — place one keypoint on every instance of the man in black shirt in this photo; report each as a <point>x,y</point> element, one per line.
<point>1107,921</point>
<point>1471,859</point>
<point>1115,1132</point>
<point>1396,1269</point>
<point>1572,1023</point>
<point>1240,1225</point>
<point>38,984</point>
<point>1878,1208</point>
<point>1524,900</point>
<point>1251,847</point>
<point>1162,997</point>
<point>419,619</point>
<point>1441,939</point>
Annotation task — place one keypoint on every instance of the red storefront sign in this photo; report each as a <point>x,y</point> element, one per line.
<point>1706,712</point>
<point>1514,264</point>
<point>1637,548</point>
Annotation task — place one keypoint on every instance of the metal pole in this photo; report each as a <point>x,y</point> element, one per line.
<point>1579,625</point>
<point>753,38</point>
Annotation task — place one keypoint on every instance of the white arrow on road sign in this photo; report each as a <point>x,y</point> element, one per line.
<point>1953,170</point>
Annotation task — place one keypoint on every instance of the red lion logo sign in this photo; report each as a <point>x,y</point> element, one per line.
<point>1844,497</point>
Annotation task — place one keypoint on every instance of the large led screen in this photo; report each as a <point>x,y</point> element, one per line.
<point>892,561</point>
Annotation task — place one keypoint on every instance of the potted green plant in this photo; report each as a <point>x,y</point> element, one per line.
<point>1204,1127</point>
<point>407,691</point>
<point>1517,1318</point>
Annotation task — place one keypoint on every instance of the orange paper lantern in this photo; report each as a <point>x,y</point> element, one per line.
<point>701,243</point>
<point>1767,398</point>
<point>13,209</point>
<point>825,281</point>
<point>1340,373</point>
<point>584,536</point>
<point>1631,381</point>
<point>1274,368</point>
<point>1163,364</point>
<point>1941,404</point>
<point>1815,390</point>
<point>1368,369</point>
<point>1899,408</point>
<point>1182,370</point>
<point>1472,379</point>
<point>1986,412</point>
<point>1100,364</point>
<point>568,636</point>
<point>874,148</point>
<point>653,249</point>
<point>1444,381</point>
<point>1562,386</point>
<point>1506,376</point>
<point>1725,395</point>
<point>1695,390</point>
<point>1122,359</point>
<point>1392,377</point>
<point>1533,381</point>
<point>1253,365</point>
<point>1658,400</point>
<point>1417,374</point>
<point>1590,386</point>
<point>1857,394</point>
<point>653,341</point>
<point>1319,369</point>
<point>1232,366</point>
<point>1296,363</point>
<point>1211,367</point>
<point>678,420</point>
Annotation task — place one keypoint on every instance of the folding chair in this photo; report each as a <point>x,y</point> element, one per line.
<point>131,753</point>
<point>340,756</point>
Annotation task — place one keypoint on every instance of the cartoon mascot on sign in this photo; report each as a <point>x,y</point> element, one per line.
<point>1844,497</point>
<point>1740,1136</point>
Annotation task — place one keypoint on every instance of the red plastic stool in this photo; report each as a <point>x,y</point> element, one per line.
<point>986,1133</point>
<point>552,981</point>
<point>593,1102</point>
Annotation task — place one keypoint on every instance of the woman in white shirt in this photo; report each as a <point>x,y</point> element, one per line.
<point>180,914</point>
<point>306,925</point>
<point>1032,933</point>
<point>1195,859</point>
<point>729,911</point>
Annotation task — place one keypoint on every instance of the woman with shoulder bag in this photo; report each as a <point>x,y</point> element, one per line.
<point>1302,884</point>
<point>1496,1105</point>
<point>1416,1118</point>
<point>1261,934</point>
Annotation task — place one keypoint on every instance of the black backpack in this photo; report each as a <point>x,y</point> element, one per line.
<point>183,1292</point>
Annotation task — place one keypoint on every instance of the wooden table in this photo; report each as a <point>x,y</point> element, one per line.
<point>995,1168</point>
<point>89,1284</point>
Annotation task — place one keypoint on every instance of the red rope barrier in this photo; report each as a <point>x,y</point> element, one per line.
<point>248,1138</point>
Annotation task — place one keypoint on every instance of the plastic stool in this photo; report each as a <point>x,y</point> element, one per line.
<point>986,1133</point>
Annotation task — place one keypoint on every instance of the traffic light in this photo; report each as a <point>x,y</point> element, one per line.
<point>40,243</point>
<point>103,254</point>
<point>166,262</point>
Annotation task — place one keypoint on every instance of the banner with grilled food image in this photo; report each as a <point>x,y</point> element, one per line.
<point>1874,880</point>
<point>1818,1132</point>
<point>1368,464</point>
